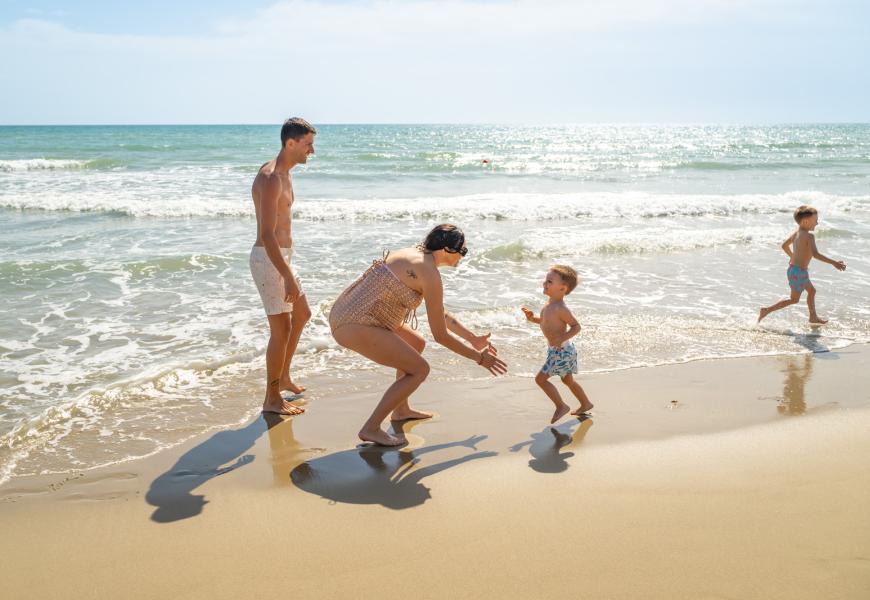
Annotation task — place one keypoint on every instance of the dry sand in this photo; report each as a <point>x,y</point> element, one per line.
<point>742,478</point>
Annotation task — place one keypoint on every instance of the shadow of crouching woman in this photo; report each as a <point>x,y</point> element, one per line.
<point>378,475</point>
<point>172,491</point>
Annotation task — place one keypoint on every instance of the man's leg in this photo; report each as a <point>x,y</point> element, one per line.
<point>279,332</point>
<point>298,318</point>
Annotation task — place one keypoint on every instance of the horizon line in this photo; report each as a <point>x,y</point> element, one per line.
<point>442,123</point>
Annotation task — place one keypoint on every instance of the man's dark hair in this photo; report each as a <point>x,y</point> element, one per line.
<point>295,129</point>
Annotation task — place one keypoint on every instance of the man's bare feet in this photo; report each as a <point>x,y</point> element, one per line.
<point>410,414</point>
<point>288,385</point>
<point>762,312</point>
<point>282,408</point>
<point>584,408</point>
<point>560,412</point>
<point>379,437</point>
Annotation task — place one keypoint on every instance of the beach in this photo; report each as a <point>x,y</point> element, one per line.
<point>130,322</point>
<point>723,458</point>
<point>564,226</point>
<point>729,478</point>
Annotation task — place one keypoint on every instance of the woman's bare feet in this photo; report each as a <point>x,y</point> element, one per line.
<point>560,412</point>
<point>281,407</point>
<point>762,312</point>
<point>287,384</point>
<point>379,437</point>
<point>817,321</point>
<point>409,414</point>
<point>584,408</point>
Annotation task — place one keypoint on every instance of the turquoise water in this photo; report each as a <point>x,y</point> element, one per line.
<point>129,321</point>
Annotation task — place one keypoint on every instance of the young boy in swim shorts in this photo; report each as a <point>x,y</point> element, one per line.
<point>558,325</point>
<point>801,249</point>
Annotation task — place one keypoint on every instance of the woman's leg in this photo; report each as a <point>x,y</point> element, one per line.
<point>403,410</point>
<point>385,348</point>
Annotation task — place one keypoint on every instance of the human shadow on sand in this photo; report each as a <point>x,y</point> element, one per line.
<point>370,474</point>
<point>546,446</point>
<point>172,492</point>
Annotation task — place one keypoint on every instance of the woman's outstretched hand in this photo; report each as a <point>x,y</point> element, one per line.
<point>492,363</point>
<point>481,342</point>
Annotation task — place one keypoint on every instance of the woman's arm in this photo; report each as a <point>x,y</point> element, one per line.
<point>433,295</point>
<point>478,342</point>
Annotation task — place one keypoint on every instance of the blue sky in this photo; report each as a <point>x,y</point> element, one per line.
<point>376,61</point>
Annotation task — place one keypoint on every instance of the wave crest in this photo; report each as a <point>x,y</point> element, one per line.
<point>54,164</point>
<point>523,207</point>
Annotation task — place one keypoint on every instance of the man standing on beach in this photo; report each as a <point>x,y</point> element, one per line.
<point>281,292</point>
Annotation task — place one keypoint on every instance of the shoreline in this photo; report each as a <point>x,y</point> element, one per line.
<point>753,485</point>
<point>374,381</point>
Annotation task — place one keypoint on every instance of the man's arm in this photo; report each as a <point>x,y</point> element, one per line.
<point>268,221</point>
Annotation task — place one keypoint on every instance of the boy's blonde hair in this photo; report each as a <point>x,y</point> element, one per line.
<point>568,275</point>
<point>802,211</point>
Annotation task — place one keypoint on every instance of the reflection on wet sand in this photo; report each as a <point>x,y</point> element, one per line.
<point>798,370</point>
<point>371,474</point>
<point>546,446</point>
<point>287,453</point>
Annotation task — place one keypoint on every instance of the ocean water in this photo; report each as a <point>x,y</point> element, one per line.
<point>129,321</point>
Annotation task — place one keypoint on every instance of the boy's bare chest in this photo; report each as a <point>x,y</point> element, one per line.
<point>550,320</point>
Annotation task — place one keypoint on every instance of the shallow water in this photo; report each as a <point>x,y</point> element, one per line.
<point>129,320</point>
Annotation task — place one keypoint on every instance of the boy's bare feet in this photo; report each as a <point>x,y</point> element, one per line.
<point>410,414</point>
<point>584,408</point>
<point>282,407</point>
<point>379,437</point>
<point>762,312</point>
<point>287,384</point>
<point>560,412</point>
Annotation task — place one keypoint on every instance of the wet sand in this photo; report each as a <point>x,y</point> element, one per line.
<point>741,478</point>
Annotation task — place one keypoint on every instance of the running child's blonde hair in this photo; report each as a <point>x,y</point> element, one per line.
<point>804,210</point>
<point>568,275</point>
